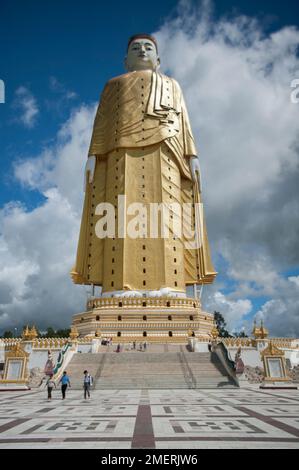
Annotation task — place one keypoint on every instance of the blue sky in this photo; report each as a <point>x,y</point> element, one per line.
<point>81,44</point>
<point>60,54</point>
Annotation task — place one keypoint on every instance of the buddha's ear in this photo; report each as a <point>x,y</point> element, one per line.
<point>126,62</point>
<point>158,63</point>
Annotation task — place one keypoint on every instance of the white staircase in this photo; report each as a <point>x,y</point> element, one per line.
<point>150,370</point>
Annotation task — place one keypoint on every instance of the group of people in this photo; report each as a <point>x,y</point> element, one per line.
<point>87,379</point>
<point>106,342</point>
<point>65,383</point>
<point>133,346</point>
<point>142,346</point>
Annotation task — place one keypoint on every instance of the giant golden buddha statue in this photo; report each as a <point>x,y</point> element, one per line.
<point>142,148</point>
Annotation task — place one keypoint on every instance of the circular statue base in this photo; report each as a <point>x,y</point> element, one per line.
<point>163,319</point>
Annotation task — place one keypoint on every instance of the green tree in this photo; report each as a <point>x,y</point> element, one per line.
<point>8,334</point>
<point>221,325</point>
<point>38,332</point>
<point>50,333</point>
<point>240,334</point>
<point>63,333</point>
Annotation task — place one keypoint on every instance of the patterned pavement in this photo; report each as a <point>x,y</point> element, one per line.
<point>151,419</point>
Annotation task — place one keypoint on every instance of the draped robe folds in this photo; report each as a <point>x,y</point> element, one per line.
<point>142,141</point>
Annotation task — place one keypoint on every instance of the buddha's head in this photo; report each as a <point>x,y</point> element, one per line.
<point>142,53</point>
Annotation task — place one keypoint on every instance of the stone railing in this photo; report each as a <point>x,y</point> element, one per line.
<point>251,342</point>
<point>221,352</point>
<point>49,343</point>
<point>142,302</point>
<point>127,324</point>
<point>148,339</point>
<point>43,343</point>
<point>236,342</point>
<point>10,341</point>
<point>61,357</point>
<point>58,343</point>
<point>282,342</point>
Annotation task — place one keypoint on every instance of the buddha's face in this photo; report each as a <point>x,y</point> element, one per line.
<point>142,55</point>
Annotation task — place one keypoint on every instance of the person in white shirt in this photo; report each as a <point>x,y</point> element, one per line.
<point>87,384</point>
<point>50,385</point>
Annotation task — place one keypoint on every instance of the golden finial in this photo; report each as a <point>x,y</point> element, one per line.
<point>256,331</point>
<point>215,332</point>
<point>263,330</point>
<point>272,350</point>
<point>98,333</point>
<point>25,333</point>
<point>74,333</point>
<point>33,333</point>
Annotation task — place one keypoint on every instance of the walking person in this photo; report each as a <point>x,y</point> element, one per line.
<point>87,384</point>
<point>50,385</point>
<point>65,381</point>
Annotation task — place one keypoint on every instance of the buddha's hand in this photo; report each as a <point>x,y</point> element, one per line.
<point>195,170</point>
<point>90,168</point>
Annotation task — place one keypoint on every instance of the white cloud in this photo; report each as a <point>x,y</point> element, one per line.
<point>236,81</point>
<point>27,105</point>
<point>60,97</point>
<point>38,247</point>
<point>280,314</point>
<point>294,279</point>
<point>59,88</point>
<point>233,311</point>
<point>61,165</point>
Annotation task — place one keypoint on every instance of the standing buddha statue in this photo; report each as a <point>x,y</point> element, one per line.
<point>142,147</point>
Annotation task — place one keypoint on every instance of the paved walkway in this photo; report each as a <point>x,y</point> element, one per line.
<point>161,419</point>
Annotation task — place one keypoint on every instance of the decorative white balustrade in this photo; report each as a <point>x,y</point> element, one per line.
<point>142,302</point>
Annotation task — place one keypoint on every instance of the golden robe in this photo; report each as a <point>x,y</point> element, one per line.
<point>142,141</point>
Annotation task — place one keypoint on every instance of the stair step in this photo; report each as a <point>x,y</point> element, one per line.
<point>165,370</point>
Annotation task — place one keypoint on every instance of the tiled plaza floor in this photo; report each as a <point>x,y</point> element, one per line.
<point>161,419</point>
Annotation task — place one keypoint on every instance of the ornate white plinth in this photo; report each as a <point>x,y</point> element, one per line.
<point>161,319</point>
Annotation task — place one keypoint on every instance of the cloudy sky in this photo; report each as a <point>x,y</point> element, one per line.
<point>235,62</point>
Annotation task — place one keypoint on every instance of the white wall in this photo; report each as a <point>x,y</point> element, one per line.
<point>39,357</point>
<point>199,346</point>
<point>293,356</point>
<point>2,351</point>
<point>84,348</point>
<point>250,356</point>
